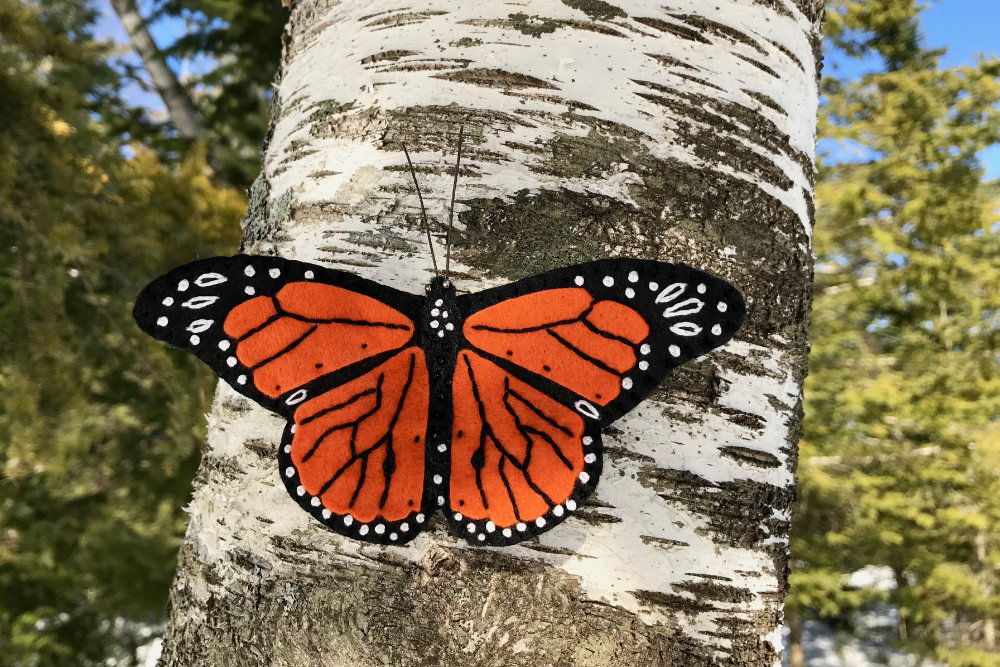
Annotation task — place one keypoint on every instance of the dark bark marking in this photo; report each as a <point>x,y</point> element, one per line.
<point>754,457</point>
<point>596,9</point>
<point>681,31</point>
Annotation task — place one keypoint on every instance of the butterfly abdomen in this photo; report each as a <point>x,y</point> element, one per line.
<point>440,335</point>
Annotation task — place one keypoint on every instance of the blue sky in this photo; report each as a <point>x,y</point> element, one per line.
<point>968,28</point>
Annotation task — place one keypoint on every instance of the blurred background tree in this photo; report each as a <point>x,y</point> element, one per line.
<point>899,456</point>
<point>100,428</point>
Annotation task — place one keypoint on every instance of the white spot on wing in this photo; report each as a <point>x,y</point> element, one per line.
<point>579,281</point>
<point>274,273</point>
<point>209,279</point>
<point>200,326</point>
<point>249,271</point>
<point>198,302</point>
<point>163,321</point>
<point>297,397</point>
<point>633,276</point>
<point>608,281</point>
<point>670,292</point>
<point>686,307</point>
<point>685,329</point>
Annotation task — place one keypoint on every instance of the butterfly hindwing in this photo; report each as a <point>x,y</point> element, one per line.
<point>521,461</point>
<point>354,456</point>
<point>270,326</point>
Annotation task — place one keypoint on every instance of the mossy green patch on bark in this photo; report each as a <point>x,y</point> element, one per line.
<point>597,9</point>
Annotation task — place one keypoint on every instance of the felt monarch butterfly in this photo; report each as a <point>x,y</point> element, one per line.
<point>487,405</point>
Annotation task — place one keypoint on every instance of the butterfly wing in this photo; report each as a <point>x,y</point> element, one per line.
<point>353,456</point>
<point>521,459</point>
<point>270,326</point>
<point>582,346</point>
<point>331,352</point>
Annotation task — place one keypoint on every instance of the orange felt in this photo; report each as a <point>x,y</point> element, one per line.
<point>277,335</point>
<point>518,447</point>
<point>353,429</point>
<point>248,316</point>
<point>608,351</point>
<point>562,335</point>
<point>533,310</point>
<point>316,301</point>
<point>328,348</point>
<point>619,320</point>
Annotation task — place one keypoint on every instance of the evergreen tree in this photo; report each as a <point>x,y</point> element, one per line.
<point>99,427</point>
<point>899,452</point>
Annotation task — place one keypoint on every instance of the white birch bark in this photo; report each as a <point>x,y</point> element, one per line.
<point>681,130</point>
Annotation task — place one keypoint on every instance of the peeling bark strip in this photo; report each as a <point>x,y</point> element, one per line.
<point>682,132</point>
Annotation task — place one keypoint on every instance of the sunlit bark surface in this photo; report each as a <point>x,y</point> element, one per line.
<point>679,131</point>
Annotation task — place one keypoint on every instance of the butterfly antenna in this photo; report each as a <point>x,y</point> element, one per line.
<point>451,210</point>
<point>423,211</point>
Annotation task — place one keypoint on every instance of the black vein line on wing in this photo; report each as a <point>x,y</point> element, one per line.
<point>499,445</point>
<point>288,348</point>
<point>540,327</point>
<point>279,313</point>
<point>341,406</point>
<point>353,425</point>
<point>384,440</point>
<point>583,355</point>
<point>510,491</point>
<point>605,334</point>
<point>260,327</point>
<point>530,430</point>
<point>485,431</point>
<point>391,454</point>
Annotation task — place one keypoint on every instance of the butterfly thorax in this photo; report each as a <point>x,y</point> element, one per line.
<point>440,327</point>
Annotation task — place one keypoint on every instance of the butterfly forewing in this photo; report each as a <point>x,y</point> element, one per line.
<point>270,326</point>
<point>609,332</point>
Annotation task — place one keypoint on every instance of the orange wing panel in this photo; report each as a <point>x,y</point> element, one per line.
<point>359,448</point>
<point>564,335</point>
<point>308,330</point>
<point>516,453</point>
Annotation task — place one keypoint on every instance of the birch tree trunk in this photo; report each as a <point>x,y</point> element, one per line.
<point>678,130</point>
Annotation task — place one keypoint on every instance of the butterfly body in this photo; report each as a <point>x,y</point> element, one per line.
<point>488,406</point>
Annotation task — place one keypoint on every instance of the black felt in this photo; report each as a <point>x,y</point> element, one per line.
<point>441,353</point>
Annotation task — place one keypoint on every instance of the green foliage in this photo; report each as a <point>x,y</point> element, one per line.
<point>900,450</point>
<point>99,426</point>
<point>244,40</point>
